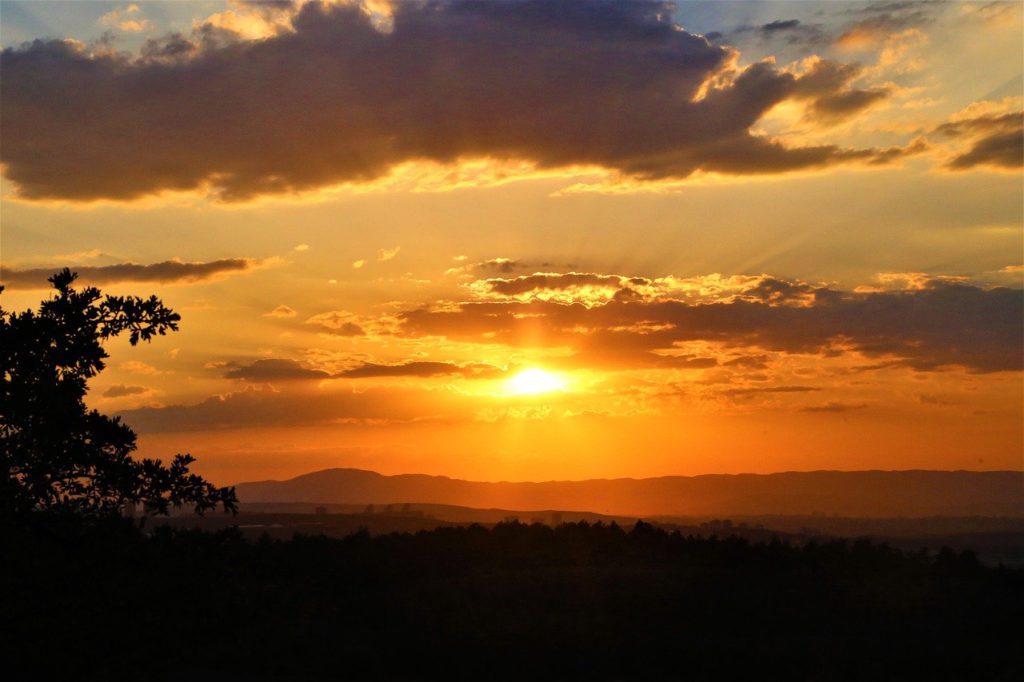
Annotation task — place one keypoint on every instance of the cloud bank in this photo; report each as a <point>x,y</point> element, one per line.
<point>122,390</point>
<point>419,368</point>
<point>274,369</point>
<point>996,140</point>
<point>333,99</point>
<point>269,408</point>
<point>638,322</point>
<point>169,271</point>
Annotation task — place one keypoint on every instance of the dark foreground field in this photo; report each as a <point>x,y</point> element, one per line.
<point>513,602</point>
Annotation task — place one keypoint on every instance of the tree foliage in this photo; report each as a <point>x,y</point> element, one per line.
<point>514,602</point>
<point>60,456</point>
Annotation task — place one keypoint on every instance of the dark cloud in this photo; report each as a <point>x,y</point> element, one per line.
<point>997,140</point>
<point>1004,150</point>
<point>780,25</point>
<point>891,154</point>
<point>748,362</point>
<point>832,99</point>
<point>942,324</point>
<point>889,7</point>
<point>281,311</point>
<point>995,10</point>
<point>171,48</point>
<point>872,29</point>
<point>834,407</point>
<point>338,323</point>
<point>551,281</point>
<point>568,83</point>
<point>418,368</point>
<point>842,104</point>
<point>774,290</point>
<point>769,389</point>
<point>853,25</point>
<point>272,369</point>
<point>791,33</point>
<point>981,125</point>
<point>499,265</point>
<point>615,351</point>
<point>121,390</point>
<point>170,271</point>
<point>509,266</point>
<point>268,408</point>
<point>876,21</point>
<point>344,329</point>
<point>269,7</point>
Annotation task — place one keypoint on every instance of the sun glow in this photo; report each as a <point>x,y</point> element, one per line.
<point>533,380</point>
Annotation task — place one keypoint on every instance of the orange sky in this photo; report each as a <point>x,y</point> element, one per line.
<point>494,243</point>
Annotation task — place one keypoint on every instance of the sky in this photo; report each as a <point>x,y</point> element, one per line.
<point>534,240</point>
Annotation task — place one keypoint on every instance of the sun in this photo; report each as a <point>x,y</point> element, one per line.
<point>534,380</point>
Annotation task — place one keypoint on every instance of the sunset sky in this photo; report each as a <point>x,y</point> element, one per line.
<point>535,240</point>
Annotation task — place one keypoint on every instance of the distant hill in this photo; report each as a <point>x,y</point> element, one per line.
<point>846,493</point>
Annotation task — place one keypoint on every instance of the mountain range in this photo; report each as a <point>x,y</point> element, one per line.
<point>845,493</point>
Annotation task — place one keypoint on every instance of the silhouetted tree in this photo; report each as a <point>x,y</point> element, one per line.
<point>60,456</point>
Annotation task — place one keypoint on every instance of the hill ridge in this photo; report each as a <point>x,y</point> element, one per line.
<point>875,492</point>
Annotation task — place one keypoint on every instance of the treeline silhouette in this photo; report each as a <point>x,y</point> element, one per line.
<point>110,600</point>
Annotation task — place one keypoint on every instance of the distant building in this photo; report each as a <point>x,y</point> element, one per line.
<point>369,509</point>
<point>556,519</point>
<point>320,511</point>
